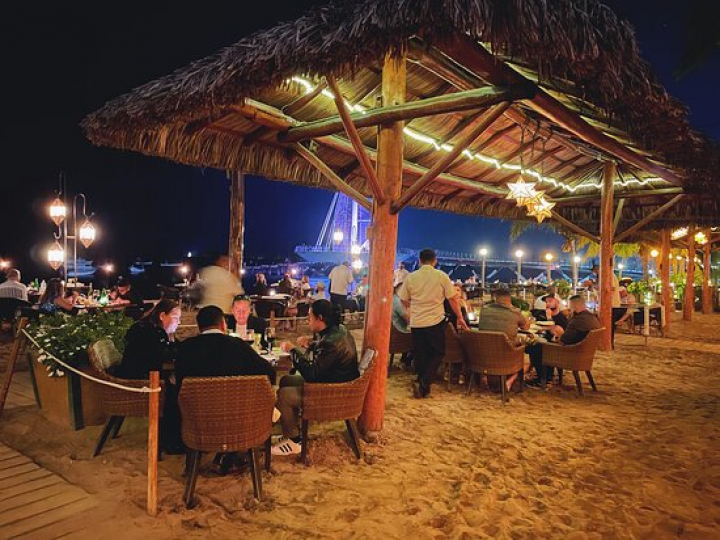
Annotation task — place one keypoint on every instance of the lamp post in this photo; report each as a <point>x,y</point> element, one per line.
<point>621,266</point>
<point>519,254</point>
<point>549,258</point>
<point>483,254</point>
<point>86,233</point>
<point>576,271</point>
<point>338,237</point>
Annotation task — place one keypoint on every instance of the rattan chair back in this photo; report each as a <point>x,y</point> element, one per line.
<point>577,357</point>
<point>400,342</point>
<point>491,353</point>
<point>454,353</point>
<point>330,402</point>
<point>118,402</point>
<point>226,414</point>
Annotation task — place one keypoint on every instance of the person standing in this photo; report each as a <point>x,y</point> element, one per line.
<point>220,286</point>
<point>424,292</point>
<point>341,277</point>
<point>400,274</point>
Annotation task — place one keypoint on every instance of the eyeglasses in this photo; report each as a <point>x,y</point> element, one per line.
<point>239,297</point>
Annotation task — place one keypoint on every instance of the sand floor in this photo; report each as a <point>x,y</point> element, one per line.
<point>639,459</point>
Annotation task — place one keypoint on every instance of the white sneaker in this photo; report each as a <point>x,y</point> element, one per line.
<point>286,447</point>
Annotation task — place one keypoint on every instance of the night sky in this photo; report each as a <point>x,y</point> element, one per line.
<point>65,59</point>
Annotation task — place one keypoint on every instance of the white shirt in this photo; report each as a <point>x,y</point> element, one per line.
<point>426,289</point>
<point>13,289</point>
<point>219,287</point>
<point>399,276</point>
<point>615,291</point>
<point>341,278</point>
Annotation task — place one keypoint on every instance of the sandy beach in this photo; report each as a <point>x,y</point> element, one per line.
<point>638,459</point>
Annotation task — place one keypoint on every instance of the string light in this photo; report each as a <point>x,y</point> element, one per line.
<point>421,137</point>
<point>679,233</point>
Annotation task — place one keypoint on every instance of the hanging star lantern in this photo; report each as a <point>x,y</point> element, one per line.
<point>541,210</point>
<point>521,191</point>
<point>537,198</point>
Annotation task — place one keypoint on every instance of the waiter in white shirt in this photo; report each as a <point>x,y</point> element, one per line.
<point>220,286</point>
<point>341,277</point>
<point>424,292</point>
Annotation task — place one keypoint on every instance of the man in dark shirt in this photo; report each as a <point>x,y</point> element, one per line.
<point>215,354</point>
<point>124,294</point>
<point>242,319</point>
<point>579,326</point>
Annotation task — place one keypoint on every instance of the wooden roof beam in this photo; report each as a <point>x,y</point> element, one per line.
<point>570,225</point>
<point>477,59</point>
<point>537,159</point>
<point>584,199</point>
<point>447,103</point>
<point>454,132</point>
<point>650,217</point>
<point>304,100</point>
<point>447,159</point>
<point>356,141</point>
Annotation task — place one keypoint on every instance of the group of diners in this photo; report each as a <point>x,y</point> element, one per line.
<point>426,301</point>
<point>328,356</point>
<point>55,297</point>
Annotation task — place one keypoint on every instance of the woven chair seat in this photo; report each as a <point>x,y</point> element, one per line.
<point>492,353</point>
<point>226,414</point>
<point>578,357</point>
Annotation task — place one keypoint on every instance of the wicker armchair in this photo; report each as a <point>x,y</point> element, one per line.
<point>226,414</point>
<point>332,402</point>
<point>492,353</point>
<point>575,358</point>
<point>117,403</point>
<point>454,353</point>
<point>400,343</point>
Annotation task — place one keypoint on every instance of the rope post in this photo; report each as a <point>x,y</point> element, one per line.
<point>153,436</point>
<point>10,367</point>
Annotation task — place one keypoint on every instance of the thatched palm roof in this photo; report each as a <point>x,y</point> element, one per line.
<point>580,52</point>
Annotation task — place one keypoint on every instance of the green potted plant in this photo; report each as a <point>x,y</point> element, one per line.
<point>66,397</point>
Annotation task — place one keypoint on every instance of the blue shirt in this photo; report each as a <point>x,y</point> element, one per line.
<point>398,318</point>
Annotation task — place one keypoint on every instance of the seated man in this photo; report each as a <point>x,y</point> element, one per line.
<point>12,287</point>
<point>553,308</point>
<point>123,294</point>
<point>401,321</point>
<point>242,319</point>
<point>331,357</point>
<point>215,354</point>
<point>502,316</point>
<point>580,324</point>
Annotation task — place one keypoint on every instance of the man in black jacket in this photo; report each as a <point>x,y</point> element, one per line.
<point>215,354</point>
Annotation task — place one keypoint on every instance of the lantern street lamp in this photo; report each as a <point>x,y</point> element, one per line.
<point>519,254</point>
<point>357,264</point>
<point>355,249</point>
<point>621,266</point>
<point>549,258</point>
<point>87,233</point>
<point>56,256</point>
<point>483,254</point>
<point>57,211</point>
<point>338,237</point>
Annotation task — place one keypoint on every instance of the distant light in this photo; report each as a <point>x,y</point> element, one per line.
<point>679,258</point>
<point>357,264</point>
<point>577,259</point>
<point>355,249</point>
<point>519,253</point>
<point>189,254</point>
<point>87,233</point>
<point>272,292</point>
<point>654,253</point>
<point>549,257</point>
<point>293,271</point>
<point>184,269</point>
<point>109,268</point>
<point>338,237</point>
<point>4,264</point>
<point>242,271</point>
<point>471,315</point>
<point>56,256</point>
<point>621,266</point>
<point>483,251</point>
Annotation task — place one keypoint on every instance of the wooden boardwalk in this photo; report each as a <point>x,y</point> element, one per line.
<point>37,504</point>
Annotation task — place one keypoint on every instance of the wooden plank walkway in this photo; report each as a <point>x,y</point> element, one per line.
<point>37,504</point>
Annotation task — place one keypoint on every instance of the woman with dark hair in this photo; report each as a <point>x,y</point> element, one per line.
<point>150,342</point>
<point>53,299</point>
<point>330,356</point>
<point>260,288</point>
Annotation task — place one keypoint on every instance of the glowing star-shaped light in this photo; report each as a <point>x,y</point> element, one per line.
<point>541,210</point>
<point>521,191</point>
<point>537,198</point>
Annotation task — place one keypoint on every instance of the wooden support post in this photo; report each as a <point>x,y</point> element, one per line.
<point>707,304</point>
<point>153,443</point>
<point>378,311</point>
<point>689,305</point>
<point>606,254</point>
<point>237,222</point>
<point>356,141</point>
<point>668,299</point>
<point>10,366</point>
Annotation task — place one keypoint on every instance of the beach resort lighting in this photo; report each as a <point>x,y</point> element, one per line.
<point>184,270</point>
<point>621,266</point>
<point>521,191</point>
<point>679,233</point>
<point>87,233</point>
<point>293,271</point>
<point>56,256</point>
<point>57,211</point>
<point>541,209</point>
<point>109,268</point>
<point>357,264</point>
<point>338,237</point>
<point>189,254</point>
<point>242,271</point>
<point>700,238</point>
<point>519,254</point>
<point>549,258</point>
<point>4,264</point>
<point>654,253</point>
<point>355,249</point>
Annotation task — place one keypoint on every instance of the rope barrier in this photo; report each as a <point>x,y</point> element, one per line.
<point>143,390</point>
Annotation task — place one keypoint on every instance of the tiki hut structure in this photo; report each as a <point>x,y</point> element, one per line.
<point>437,104</point>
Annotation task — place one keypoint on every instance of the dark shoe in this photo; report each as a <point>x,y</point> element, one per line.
<point>535,383</point>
